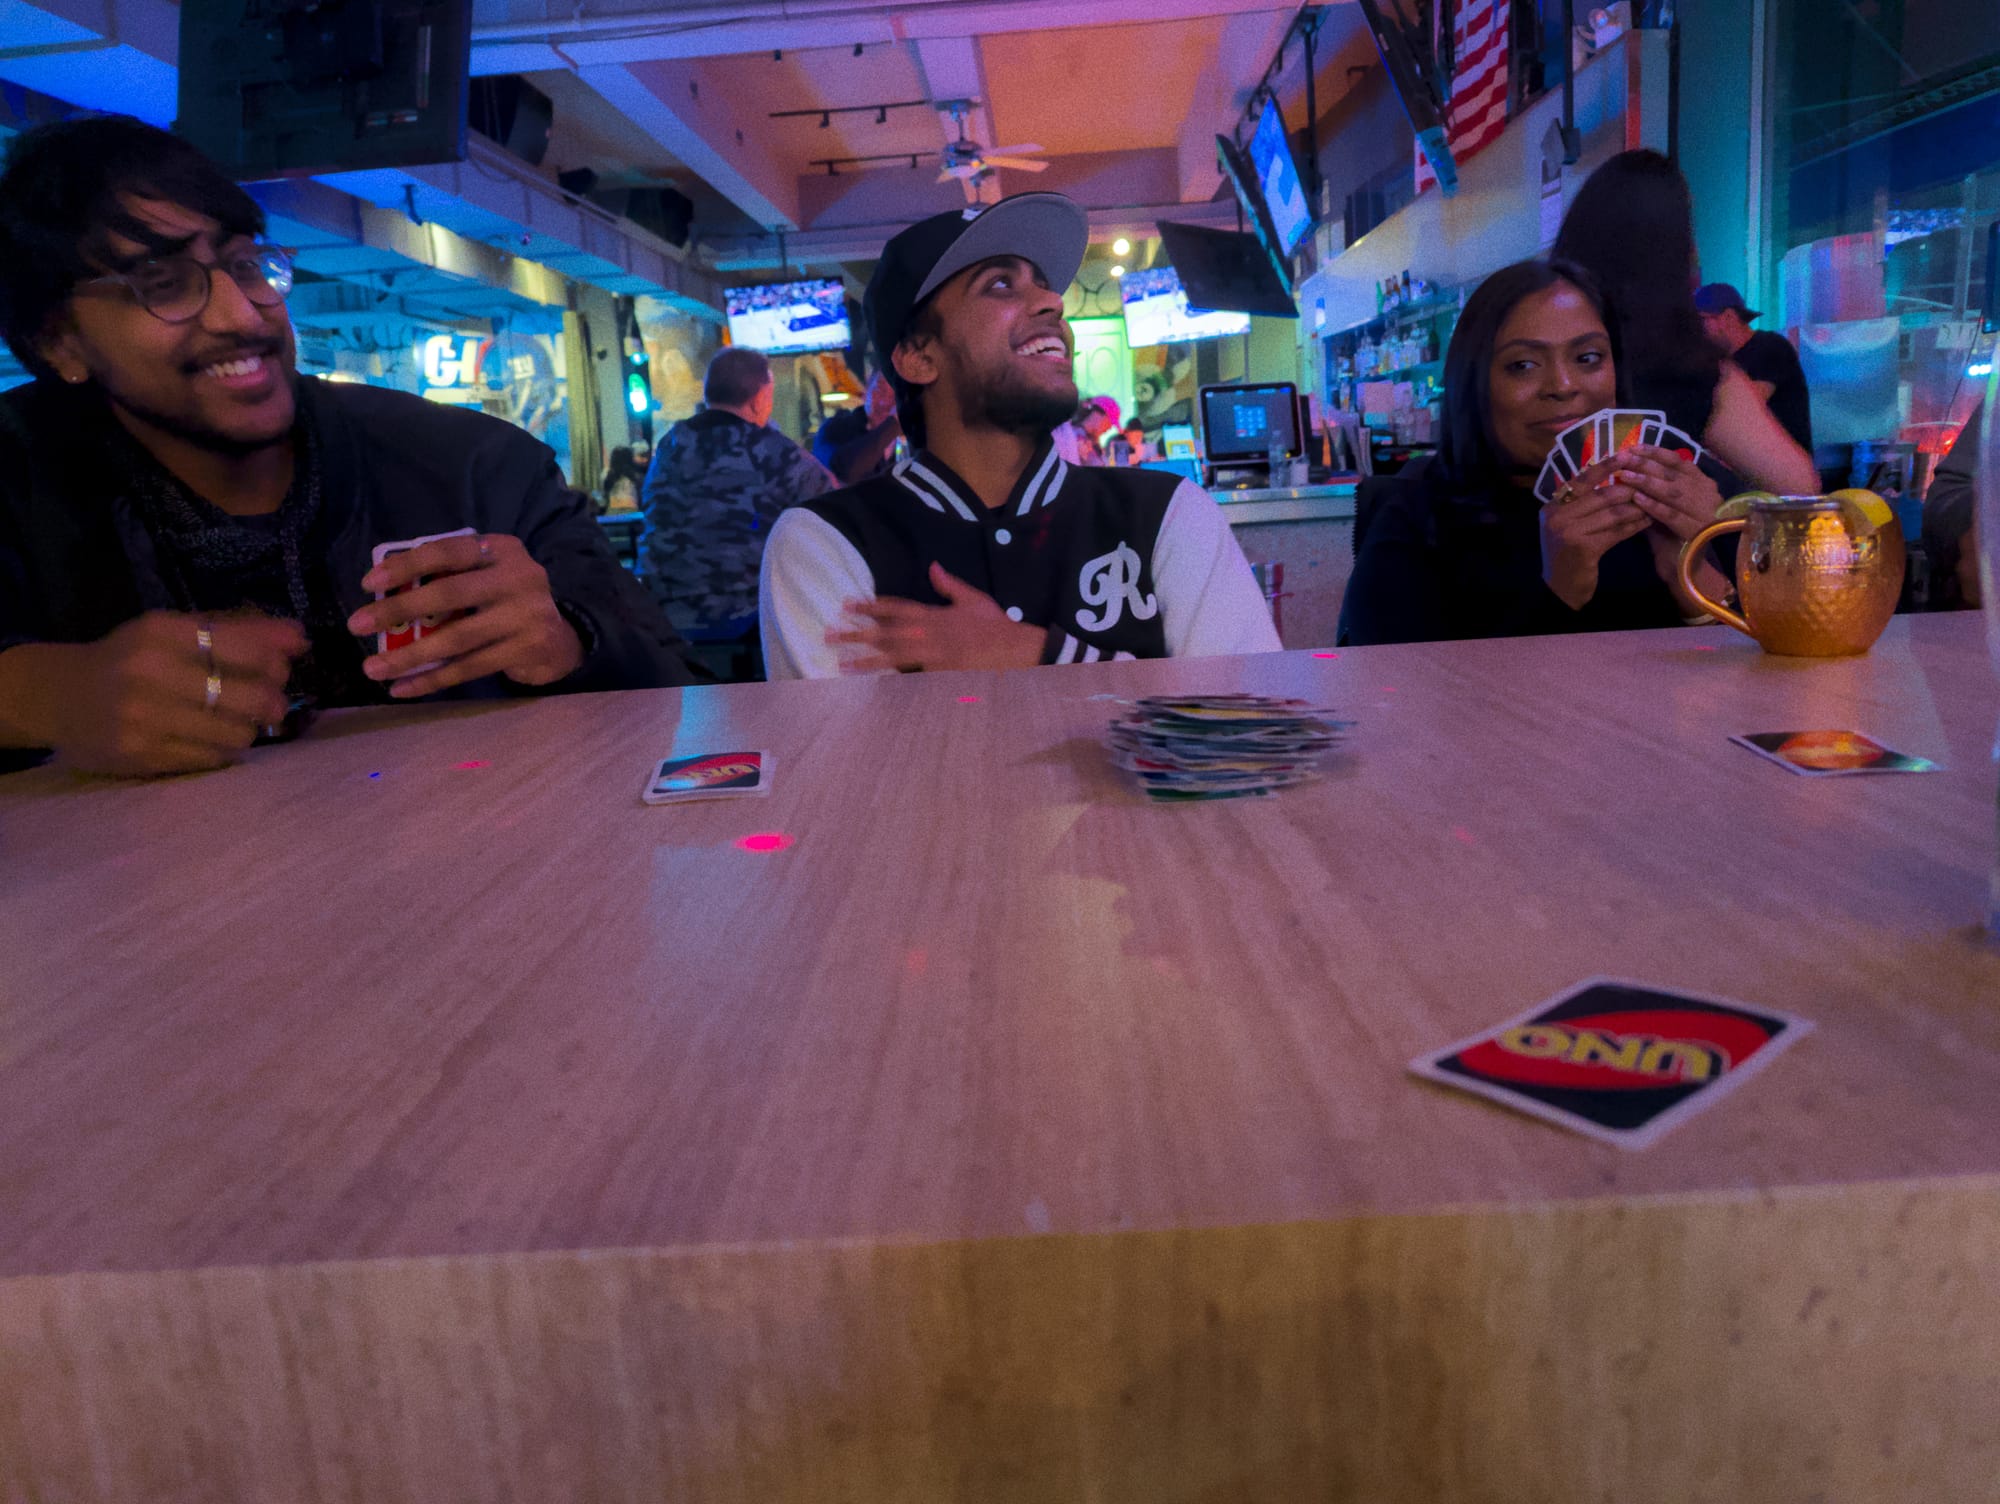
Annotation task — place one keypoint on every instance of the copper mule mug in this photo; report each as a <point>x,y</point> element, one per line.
<point>1816,579</point>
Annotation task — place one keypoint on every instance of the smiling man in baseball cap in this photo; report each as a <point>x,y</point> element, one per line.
<point>984,549</point>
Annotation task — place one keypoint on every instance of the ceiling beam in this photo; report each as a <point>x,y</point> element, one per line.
<point>707,130</point>
<point>563,38</point>
<point>1220,93</point>
<point>864,242</point>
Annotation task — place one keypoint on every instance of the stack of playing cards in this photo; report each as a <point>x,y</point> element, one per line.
<point>1609,431</point>
<point>711,775</point>
<point>1221,746</point>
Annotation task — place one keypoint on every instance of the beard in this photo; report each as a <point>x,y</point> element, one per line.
<point>1007,401</point>
<point>202,435</point>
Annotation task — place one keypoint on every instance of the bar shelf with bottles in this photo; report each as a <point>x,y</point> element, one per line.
<point>1389,371</point>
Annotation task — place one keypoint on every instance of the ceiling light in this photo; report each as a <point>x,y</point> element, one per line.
<point>1118,269</point>
<point>1121,246</point>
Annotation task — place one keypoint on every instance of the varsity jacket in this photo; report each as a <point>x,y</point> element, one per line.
<point>1112,563</point>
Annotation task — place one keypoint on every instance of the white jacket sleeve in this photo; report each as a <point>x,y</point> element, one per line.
<point>1208,598</point>
<point>809,569</point>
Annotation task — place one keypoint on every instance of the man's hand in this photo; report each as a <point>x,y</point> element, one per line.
<point>496,614</point>
<point>135,702</point>
<point>1584,523</point>
<point>970,632</point>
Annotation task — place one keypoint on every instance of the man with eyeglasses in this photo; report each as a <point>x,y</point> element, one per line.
<point>186,523</point>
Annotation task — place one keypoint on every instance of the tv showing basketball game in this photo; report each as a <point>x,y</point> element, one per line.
<point>1157,312</point>
<point>789,318</point>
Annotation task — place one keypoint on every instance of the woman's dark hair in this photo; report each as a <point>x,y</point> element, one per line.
<point>62,199</point>
<point>1469,458</point>
<point>1631,227</point>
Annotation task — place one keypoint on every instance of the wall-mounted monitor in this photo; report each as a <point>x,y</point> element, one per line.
<point>1236,169</point>
<point>1278,179</point>
<point>271,89</point>
<point>789,318</point>
<point>1222,269</point>
<point>1157,311</point>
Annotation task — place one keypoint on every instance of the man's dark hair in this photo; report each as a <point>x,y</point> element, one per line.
<point>62,199</point>
<point>1632,228</point>
<point>1468,458</point>
<point>925,323</point>
<point>735,377</point>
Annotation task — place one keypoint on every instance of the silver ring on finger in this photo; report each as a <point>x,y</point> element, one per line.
<point>211,689</point>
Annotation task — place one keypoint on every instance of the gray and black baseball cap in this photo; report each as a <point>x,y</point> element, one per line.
<point>1045,228</point>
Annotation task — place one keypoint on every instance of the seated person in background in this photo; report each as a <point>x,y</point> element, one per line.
<point>854,444</point>
<point>1767,359</point>
<point>186,522</point>
<point>1460,548</point>
<point>623,474</point>
<point>986,549</point>
<point>1631,227</point>
<point>1129,447</point>
<point>717,486</point>
<point>1951,534</point>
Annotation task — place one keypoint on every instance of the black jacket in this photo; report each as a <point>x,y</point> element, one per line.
<point>1439,567</point>
<point>75,561</point>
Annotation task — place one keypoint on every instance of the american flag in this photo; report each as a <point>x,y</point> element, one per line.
<point>1478,110</point>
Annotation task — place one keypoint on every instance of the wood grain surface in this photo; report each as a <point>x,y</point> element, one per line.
<point>474,1131</point>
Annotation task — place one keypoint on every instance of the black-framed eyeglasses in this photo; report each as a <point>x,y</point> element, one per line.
<point>175,289</point>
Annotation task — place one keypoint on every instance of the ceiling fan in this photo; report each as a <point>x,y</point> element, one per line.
<point>972,164</point>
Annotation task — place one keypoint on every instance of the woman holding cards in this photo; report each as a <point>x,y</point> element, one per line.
<point>1461,547</point>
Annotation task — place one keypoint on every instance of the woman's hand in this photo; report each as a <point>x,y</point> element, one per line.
<point>1680,501</point>
<point>1584,523</point>
<point>1671,491</point>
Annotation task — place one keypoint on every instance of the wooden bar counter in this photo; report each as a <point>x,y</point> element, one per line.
<point>409,1114</point>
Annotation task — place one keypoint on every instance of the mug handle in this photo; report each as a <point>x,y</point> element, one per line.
<point>1691,552</point>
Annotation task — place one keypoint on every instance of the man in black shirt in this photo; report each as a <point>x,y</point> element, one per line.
<point>1767,359</point>
<point>186,523</point>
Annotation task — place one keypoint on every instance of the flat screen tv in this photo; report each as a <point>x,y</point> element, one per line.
<point>1224,269</point>
<point>272,89</point>
<point>1278,180</point>
<point>1157,311</point>
<point>789,318</point>
<point>1242,178</point>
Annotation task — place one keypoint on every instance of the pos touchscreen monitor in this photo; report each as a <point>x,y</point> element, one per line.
<point>1238,421</point>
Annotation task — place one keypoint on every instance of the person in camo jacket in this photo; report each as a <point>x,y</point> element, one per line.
<point>712,492</point>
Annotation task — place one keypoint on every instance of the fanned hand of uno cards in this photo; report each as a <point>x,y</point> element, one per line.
<point>1617,1061</point>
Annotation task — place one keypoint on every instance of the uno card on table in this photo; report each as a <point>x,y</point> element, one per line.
<point>423,626</point>
<point>1830,754</point>
<point>1617,1061</point>
<point>709,775</point>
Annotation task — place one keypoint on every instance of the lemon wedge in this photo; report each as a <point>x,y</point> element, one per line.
<point>1862,511</point>
<point>1739,505</point>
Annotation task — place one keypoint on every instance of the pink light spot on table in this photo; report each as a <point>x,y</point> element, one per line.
<point>1463,836</point>
<point>1388,689</point>
<point>1706,647</point>
<point>467,767</point>
<point>764,840</point>
<point>968,699</point>
<point>916,961</point>
<point>1326,655</point>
